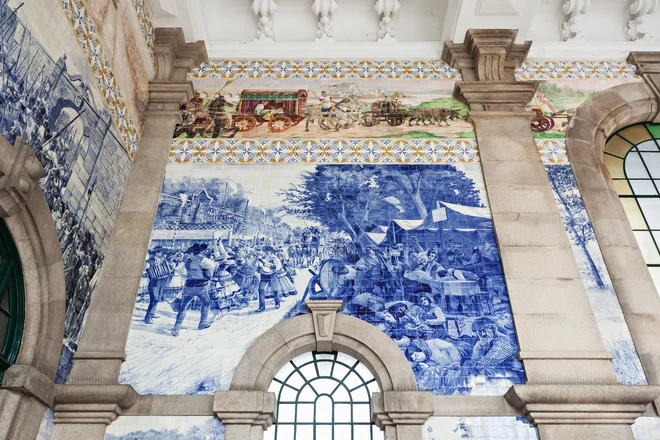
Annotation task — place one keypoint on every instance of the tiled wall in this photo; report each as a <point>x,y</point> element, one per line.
<point>478,428</point>
<point>647,428</point>
<point>51,98</point>
<point>165,428</point>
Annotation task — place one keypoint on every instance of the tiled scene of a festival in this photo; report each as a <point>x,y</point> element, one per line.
<point>237,249</point>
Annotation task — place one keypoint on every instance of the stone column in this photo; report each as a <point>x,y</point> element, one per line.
<point>245,414</point>
<point>401,414</point>
<point>102,346</point>
<point>560,343</point>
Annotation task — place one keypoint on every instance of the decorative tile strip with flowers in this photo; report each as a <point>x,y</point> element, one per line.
<point>327,151</point>
<point>145,24</point>
<point>544,70</point>
<point>231,69</point>
<point>552,151</point>
<point>85,31</point>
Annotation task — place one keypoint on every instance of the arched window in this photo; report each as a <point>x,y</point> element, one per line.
<point>632,156</point>
<point>12,300</point>
<point>324,396</point>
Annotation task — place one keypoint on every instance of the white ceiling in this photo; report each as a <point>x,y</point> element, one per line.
<point>229,27</point>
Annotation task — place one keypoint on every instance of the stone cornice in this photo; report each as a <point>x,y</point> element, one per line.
<point>256,408</point>
<point>174,57</point>
<point>495,95</point>
<point>92,404</point>
<point>581,404</point>
<point>26,379</point>
<point>20,171</point>
<point>392,408</point>
<point>487,54</point>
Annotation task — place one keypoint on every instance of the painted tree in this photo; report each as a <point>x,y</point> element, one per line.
<point>574,215</point>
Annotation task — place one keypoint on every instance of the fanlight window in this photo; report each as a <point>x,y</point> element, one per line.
<point>12,300</point>
<point>632,156</point>
<point>324,396</point>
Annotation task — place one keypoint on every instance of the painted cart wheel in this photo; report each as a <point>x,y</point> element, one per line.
<point>279,124</point>
<point>244,123</point>
<point>395,120</point>
<point>543,123</point>
<point>370,120</point>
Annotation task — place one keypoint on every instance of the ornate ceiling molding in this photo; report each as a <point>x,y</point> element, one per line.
<point>573,9</point>
<point>639,26</point>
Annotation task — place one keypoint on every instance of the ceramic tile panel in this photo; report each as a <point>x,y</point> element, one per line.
<point>85,31</point>
<point>478,428</point>
<point>47,425</point>
<point>49,98</point>
<point>604,301</point>
<point>312,69</point>
<point>552,151</point>
<point>547,70</point>
<point>165,428</point>
<point>646,428</point>
<point>409,248</point>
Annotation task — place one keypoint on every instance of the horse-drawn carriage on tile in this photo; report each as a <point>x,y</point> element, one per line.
<point>544,122</point>
<point>280,109</point>
<point>388,110</point>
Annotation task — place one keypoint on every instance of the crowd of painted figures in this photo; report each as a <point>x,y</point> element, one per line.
<point>447,309</point>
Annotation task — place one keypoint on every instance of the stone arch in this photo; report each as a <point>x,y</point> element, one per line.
<point>28,385</point>
<point>332,331</point>
<point>594,122</point>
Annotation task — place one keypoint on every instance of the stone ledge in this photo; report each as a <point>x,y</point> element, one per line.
<point>500,96</point>
<point>256,408</point>
<point>565,355</point>
<point>392,408</point>
<point>581,404</point>
<point>92,404</point>
<point>26,379</point>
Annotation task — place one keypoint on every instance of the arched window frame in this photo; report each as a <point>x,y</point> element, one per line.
<point>640,142</point>
<point>352,368</point>
<point>12,299</point>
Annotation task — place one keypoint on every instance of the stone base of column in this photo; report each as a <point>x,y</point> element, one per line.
<point>245,414</point>
<point>584,412</point>
<point>401,414</point>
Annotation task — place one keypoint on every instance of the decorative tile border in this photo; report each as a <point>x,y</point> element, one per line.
<point>230,69</point>
<point>84,29</point>
<point>145,24</point>
<point>543,70</point>
<point>552,151</point>
<point>311,151</point>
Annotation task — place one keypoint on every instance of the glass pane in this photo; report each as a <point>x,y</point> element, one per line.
<point>361,413</point>
<point>270,434</point>
<point>303,432</point>
<point>362,432</point>
<point>634,167</point>
<point>307,395</point>
<point>652,162</point>
<point>324,368</point>
<point>286,412</point>
<point>305,413</point>
<point>322,433</point>
<point>324,410</point>
<point>647,246</point>
<point>342,413</point>
<point>4,305</point>
<point>622,187</point>
<point>284,371</point>
<point>617,146</point>
<point>343,432</point>
<point>309,372</point>
<point>643,187</point>
<point>377,433</point>
<point>651,210</point>
<point>285,432</point>
<point>4,322</point>
<point>648,146</point>
<point>615,167</point>
<point>635,134</point>
<point>634,214</point>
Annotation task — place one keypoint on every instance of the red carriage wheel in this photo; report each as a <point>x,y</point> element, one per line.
<point>280,123</point>
<point>244,122</point>
<point>541,124</point>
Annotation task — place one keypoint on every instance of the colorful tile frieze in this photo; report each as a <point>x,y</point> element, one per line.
<point>544,70</point>
<point>85,31</point>
<point>381,151</point>
<point>226,69</point>
<point>145,24</point>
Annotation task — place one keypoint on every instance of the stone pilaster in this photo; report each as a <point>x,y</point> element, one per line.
<point>560,343</point>
<point>102,345</point>
<point>245,414</point>
<point>648,67</point>
<point>401,414</point>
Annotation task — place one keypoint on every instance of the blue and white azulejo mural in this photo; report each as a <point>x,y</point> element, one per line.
<point>165,428</point>
<point>238,248</point>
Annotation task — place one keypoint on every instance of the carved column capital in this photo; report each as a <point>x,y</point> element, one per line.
<point>92,404</point>
<point>392,408</point>
<point>648,67</point>
<point>487,54</point>
<point>174,57</point>
<point>581,404</point>
<point>20,172</point>
<point>254,408</point>
<point>27,380</point>
<point>324,313</point>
